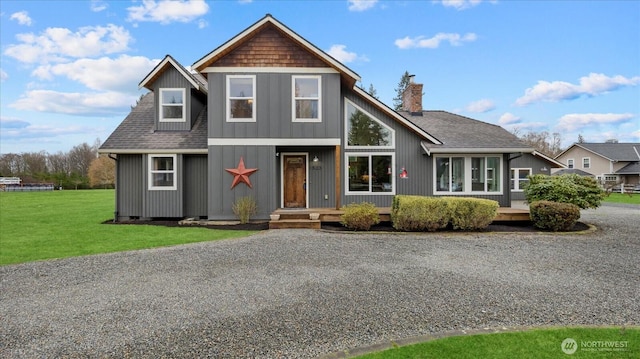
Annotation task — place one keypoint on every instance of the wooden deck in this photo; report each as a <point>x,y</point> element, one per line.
<point>299,218</point>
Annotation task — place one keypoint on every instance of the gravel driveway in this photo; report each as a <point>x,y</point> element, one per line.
<point>305,293</point>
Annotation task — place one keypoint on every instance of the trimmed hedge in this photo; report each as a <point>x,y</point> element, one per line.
<point>360,216</point>
<point>472,213</point>
<point>554,216</point>
<point>419,213</point>
<point>415,213</point>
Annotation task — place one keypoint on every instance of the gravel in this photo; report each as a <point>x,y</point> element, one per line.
<point>306,293</point>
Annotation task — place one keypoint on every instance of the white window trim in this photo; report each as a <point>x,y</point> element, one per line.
<point>229,98</point>
<point>151,171</point>
<point>370,154</point>
<point>516,180</point>
<point>346,129</point>
<point>183,105</point>
<point>294,98</point>
<point>588,159</point>
<point>467,176</point>
<point>571,163</point>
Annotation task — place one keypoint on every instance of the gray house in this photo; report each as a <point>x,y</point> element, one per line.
<point>268,114</point>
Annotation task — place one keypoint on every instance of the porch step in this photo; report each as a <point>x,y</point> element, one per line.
<point>295,223</point>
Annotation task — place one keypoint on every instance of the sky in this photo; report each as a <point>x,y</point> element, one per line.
<point>70,70</point>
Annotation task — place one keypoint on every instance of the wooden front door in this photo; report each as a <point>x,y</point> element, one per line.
<point>295,181</point>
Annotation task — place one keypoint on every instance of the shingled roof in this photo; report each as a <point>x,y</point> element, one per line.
<point>612,151</point>
<point>460,134</point>
<point>137,133</point>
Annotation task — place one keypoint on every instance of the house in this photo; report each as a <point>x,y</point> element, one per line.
<point>269,115</point>
<point>610,162</point>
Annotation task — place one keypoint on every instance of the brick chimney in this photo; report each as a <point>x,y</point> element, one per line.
<point>412,97</point>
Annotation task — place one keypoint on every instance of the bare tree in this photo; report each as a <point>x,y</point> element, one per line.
<point>80,158</point>
<point>549,144</point>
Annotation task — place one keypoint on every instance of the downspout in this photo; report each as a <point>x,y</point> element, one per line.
<point>115,184</point>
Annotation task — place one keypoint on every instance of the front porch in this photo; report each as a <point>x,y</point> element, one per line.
<point>300,218</point>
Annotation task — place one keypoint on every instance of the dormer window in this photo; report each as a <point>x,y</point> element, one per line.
<point>172,101</point>
<point>306,98</point>
<point>241,101</point>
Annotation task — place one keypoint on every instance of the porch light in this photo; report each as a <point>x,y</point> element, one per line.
<point>404,174</point>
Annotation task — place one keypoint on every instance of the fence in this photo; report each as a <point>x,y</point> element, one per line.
<point>27,187</point>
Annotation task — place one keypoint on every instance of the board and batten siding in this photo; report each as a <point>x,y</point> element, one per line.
<point>163,203</point>
<point>273,96</point>
<point>528,161</point>
<point>130,185</point>
<point>264,181</point>
<point>195,186</point>
<point>173,79</point>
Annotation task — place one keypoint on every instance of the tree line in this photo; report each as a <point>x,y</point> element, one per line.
<point>79,168</point>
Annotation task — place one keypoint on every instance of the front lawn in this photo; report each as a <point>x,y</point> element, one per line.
<point>538,344</point>
<point>59,224</point>
<point>634,198</point>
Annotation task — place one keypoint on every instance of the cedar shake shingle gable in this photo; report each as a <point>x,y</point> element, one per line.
<point>459,133</point>
<point>137,133</point>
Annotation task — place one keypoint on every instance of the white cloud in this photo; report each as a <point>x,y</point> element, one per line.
<point>44,132</point>
<point>461,4</point>
<point>22,17</point>
<point>98,74</point>
<point>508,119</point>
<point>361,5</point>
<point>434,42</point>
<point>3,75</point>
<point>98,5</point>
<point>340,53</point>
<point>59,44</point>
<point>592,85</point>
<point>576,121</point>
<point>167,11</point>
<point>480,106</point>
<point>12,123</point>
<point>202,24</point>
<point>87,104</point>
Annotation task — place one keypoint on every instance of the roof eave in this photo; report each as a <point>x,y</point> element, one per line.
<point>138,151</point>
<point>472,150</point>
<point>168,60</point>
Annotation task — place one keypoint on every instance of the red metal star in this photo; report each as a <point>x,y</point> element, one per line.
<point>241,174</point>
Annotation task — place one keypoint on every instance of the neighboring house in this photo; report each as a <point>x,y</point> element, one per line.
<point>269,115</point>
<point>610,162</point>
<point>527,165</point>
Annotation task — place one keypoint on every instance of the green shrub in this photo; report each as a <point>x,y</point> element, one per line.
<point>360,216</point>
<point>584,192</point>
<point>472,213</point>
<point>553,215</point>
<point>416,213</point>
<point>244,208</point>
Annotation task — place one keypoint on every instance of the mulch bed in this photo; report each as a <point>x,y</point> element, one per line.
<point>506,226</point>
<point>512,226</point>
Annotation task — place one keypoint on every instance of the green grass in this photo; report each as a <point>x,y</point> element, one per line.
<point>623,198</point>
<point>45,225</point>
<point>538,343</point>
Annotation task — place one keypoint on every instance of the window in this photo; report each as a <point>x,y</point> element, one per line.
<point>241,101</point>
<point>365,130</point>
<point>586,162</point>
<point>306,99</point>
<point>468,174</point>
<point>172,105</point>
<point>162,172</point>
<point>370,173</point>
<point>570,163</point>
<point>519,178</point>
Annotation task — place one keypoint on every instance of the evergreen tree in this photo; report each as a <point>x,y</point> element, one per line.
<point>402,85</point>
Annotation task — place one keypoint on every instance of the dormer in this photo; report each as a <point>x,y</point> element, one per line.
<point>179,95</point>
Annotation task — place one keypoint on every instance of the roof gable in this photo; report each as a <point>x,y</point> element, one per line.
<point>277,45</point>
<point>165,64</point>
